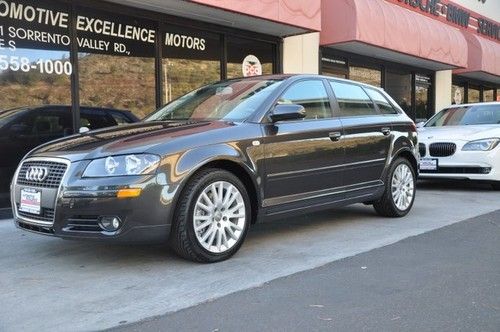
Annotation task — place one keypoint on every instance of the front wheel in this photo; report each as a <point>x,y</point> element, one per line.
<point>399,193</point>
<point>212,217</point>
<point>496,185</point>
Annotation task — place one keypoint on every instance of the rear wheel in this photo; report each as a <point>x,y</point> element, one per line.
<point>212,217</point>
<point>400,188</point>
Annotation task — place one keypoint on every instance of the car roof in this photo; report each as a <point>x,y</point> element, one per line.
<point>41,107</point>
<point>305,76</point>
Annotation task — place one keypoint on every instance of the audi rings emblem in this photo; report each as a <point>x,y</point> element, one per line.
<point>37,173</point>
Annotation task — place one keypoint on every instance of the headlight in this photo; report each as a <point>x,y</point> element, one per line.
<point>132,164</point>
<point>481,144</point>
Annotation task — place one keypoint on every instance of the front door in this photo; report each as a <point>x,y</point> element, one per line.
<point>303,157</point>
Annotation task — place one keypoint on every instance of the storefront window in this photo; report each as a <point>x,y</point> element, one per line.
<point>473,95</point>
<point>398,86</point>
<point>34,71</point>
<point>191,58</point>
<point>366,75</point>
<point>334,67</point>
<point>422,92</point>
<point>116,61</point>
<point>488,95</point>
<point>457,94</point>
<point>249,57</point>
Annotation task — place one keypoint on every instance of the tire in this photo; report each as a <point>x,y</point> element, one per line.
<point>496,185</point>
<point>388,205</point>
<point>225,222</point>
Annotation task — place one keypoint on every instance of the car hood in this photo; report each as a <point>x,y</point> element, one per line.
<point>458,133</point>
<point>126,139</point>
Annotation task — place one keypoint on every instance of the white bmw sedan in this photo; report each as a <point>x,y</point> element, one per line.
<point>462,142</point>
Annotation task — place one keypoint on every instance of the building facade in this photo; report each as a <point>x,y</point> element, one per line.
<point>140,54</point>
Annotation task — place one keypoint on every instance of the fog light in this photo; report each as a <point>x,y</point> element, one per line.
<point>110,224</point>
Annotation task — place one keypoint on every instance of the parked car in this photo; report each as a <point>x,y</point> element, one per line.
<point>24,128</point>
<point>203,168</point>
<point>462,142</point>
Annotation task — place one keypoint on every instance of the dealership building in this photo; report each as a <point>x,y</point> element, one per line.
<point>140,54</point>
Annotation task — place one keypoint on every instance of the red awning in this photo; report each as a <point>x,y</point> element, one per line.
<point>380,29</point>
<point>483,60</point>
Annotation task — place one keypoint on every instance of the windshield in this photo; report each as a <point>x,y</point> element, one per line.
<point>466,115</point>
<point>234,100</point>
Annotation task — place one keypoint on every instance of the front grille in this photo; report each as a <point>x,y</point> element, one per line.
<point>53,180</point>
<point>421,149</point>
<point>46,215</point>
<point>459,170</point>
<point>442,149</point>
<point>35,228</point>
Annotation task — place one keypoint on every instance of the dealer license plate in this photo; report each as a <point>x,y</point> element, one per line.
<point>428,164</point>
<point>31,201</point>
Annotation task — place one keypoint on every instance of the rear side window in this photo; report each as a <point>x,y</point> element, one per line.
<point>312,96</point>
<point>352,99</point>
<point>381,101</point>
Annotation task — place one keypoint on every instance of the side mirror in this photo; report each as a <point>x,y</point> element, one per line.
<point>83,130</point>
<point>284,112</point>
<point>420,124</point>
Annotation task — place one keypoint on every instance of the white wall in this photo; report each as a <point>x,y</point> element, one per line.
<point>301,54</point>
<point>443,89</point>
<point>489,9</point>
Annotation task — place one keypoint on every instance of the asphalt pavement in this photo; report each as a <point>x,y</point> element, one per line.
<point>444,280</point>
<point>51,284</point>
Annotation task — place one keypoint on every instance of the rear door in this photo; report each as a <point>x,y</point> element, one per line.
<point>367,136</point>
<point>303,157</point>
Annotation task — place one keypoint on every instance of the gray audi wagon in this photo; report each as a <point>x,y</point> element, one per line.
<point>201,170</point>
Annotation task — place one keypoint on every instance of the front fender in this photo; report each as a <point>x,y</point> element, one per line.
<point>191,161</point>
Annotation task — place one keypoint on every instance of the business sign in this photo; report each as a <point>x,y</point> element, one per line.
<point>251,66</point>
<point>455,15</point>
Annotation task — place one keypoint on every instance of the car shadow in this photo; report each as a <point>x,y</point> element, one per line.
<point>458,185</point>
<point>87,253</point>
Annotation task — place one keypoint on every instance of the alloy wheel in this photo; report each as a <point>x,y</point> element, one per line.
<point>402,187</point>
<point>219,217</point>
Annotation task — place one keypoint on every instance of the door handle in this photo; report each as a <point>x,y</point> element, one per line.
<point>335,136</point>
<point>386,131</point>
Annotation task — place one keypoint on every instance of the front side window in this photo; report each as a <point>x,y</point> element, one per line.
<point>463,116</point>
<point>234,100</point>
<point>312,96</point>
<point>352,99</point>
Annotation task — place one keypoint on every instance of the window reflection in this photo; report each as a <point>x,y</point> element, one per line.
<point>116,70</point>
<point>191,58</point>
<point>248,58</point>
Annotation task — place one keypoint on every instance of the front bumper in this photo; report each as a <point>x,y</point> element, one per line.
<point>470,165</point>
<point>77,205</point>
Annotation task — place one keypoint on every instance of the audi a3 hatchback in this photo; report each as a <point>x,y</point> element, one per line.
<point>199,171</point>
